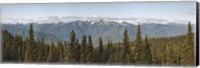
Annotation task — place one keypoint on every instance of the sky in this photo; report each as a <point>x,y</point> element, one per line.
<point>161,10</point>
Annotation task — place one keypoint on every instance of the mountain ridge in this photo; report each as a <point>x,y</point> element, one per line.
<point>112,31</point>
<point>67,19</point>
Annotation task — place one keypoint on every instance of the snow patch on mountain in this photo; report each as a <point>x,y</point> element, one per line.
<point>92,20</point>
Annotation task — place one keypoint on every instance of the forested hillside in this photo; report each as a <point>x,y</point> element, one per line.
<point>176,50</point>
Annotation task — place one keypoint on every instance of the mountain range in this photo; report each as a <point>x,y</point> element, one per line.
<point>108,30</point>
<point>66,19</point>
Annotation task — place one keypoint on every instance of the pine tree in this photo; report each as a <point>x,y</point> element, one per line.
<point>109,51</point>
<point>125,56</point>
<point>117,53</point>
<point>53,55</point>
<point>148,55</point>
<point>41,51</point>
<point>171,54</point>
<point>89,51</point>
<point>77,51</point>
<point>138,35</point>
<point>138,49</point>
<point>19,48</point>
<point>72,38</point>
<point>187,57</point>
<point>14,54</point>
<point>56,53</point>
<point>50,57</point>
<point>100,51</point>
<point>83,49</point>
<point>70,49</point>
<point>168,54</point>
<point>31,32</point>
<point>111,59</point>
<point>60,52</point>
<point>29,54</point>
<point>7,43</point>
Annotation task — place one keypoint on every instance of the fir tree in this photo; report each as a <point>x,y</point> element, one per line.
<point>125,56</point>
<point>188,49</point>
<point>41,51</point>
<point>138,39</point>
<point>138,49</point>
<point>30,48</point>
<point>60,51</point>
<point>83,49</point>
<point>7,43</point>
<point>70,49</point>
<point>100,50</point>
<point>148,55</point>
<point>77,51</point>
<point>109,51</point>
<point>50,57</point>
<point>89,51</point>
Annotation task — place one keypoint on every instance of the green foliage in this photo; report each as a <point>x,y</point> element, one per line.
<point>30,53</point>
<point>50,57</point>
<point>60,51</point>
<point>7,43</point>
<point>177,50</point>
<point>138,50</point>
<point>138,39</point>
<point>100,51</point>
<point>70,56</point>
<point>125,55</point>
<point>188,55</point>
<point>83,49</point>
<point>89,51</point>
<point>109,51</point>
<point>142,53</point>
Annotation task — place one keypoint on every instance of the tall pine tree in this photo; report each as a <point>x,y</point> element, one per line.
<point>147,51</point>
<point>100,51</point>
<point>89,51</point>
<point>7,43</point>
<point>83,49</point>
<point>70,49</point>
<point>30,48</point>
<point>138,49</point>
<point>60,52</point>
<point>51,55</point>
<point>188,56</point>
<point>138,39</point>
<point>125,56</point>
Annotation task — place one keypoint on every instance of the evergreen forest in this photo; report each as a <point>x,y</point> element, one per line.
<point>174,50</point>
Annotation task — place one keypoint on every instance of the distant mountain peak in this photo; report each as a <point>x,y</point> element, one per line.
<point>105,20</point>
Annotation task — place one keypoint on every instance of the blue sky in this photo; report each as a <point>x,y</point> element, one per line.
<point>162,10</point>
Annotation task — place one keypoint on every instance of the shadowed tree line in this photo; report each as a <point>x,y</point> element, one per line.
<point>177,50</point>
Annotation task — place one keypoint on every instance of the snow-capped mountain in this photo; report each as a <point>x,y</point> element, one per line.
<point>55,28</point>
<point>56,19</point>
